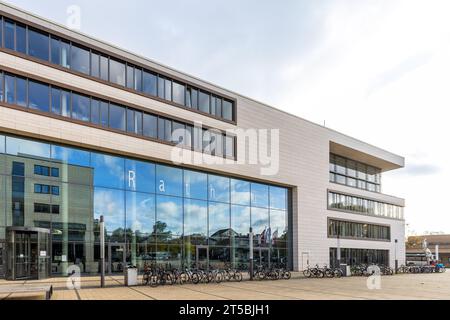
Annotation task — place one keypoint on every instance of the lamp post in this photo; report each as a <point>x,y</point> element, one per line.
<point>102,252</point>
<point>338,255</point>
<point>250,239</point>
<point>395,250</point>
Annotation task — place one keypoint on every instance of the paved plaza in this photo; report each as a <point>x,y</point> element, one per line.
<point>404,286</point>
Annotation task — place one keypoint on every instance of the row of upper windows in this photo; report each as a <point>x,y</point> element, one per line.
<point>354,174</point>
<point>46,189</point>
<point>48,98</point>
<point>41,45</point>
<point>358,230</point>
<point>46,171</point>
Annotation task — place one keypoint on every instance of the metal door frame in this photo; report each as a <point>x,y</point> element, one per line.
<point>109,251</point>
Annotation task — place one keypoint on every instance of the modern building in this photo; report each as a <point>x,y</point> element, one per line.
<point>88,130</point>
<point>415,250</point>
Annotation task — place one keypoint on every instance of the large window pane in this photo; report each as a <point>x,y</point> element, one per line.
<point>278,198</point>
<point>227,110</point>
<point>21,38</point>
<point>138,79</point>
<point>195,185</point>
<point>229,147</point>
<point>117,117</point>
<point>178,93</point>
<point>240,192</point>
<point>169,217</point>
<point>130,77</point>
<point>80,107</point>
<point>260,224</point>
<point>150,126</point>
<point>16,146</point>
<point>9,34</point>
<point>65,103</point>
<point>80,59</point>
<point>203,101</point>
<point>195,218</point>
<point>219,221</point>
<point>192,98</point>
<point>149,83</point>
<point>108,170</point>
<point>104,68</point>
<point>95,111</point>
<point>10,85</point>
<point>104,113</point>
<point>21,91</point>
<point>110,204</point>
<point>95,65</point>
<point>169,180</point>
<point>168,90</point>
<point>139,176</point>
<point>278,225</point>
<point>38,44</point>
<point>56,101</point>
<point>117,72</point>
<point>71,156</point>
<point>260,195</point>
<point>38,96</point>
<point>219,188</point>
<point>240,221</point>
<point>140,213</point>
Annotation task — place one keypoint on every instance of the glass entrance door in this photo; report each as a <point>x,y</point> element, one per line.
<point>116,257</point>
<point>202,257</point>
<point>26,255</point>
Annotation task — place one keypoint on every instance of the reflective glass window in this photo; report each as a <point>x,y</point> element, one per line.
<point>55,51</point>
<point>278,224</point>
<point>56,100</point>
<point>10,85</point>
<point>21,91</point>
<point>65,103</point>
<point>140,212</point>
<point>178,132</point>
<point>95,111</point>
<point>227,110</point>
<point>260,223</point>
<point>167,130</point>
<point>104,68</point>
<point>138,79</point>
<point>80,107</point>
<point>117,117</point>
<point>149,83</point>
<point>240,220</point>
<point>240,192</point>
<point>195,185</point>
<point>169,216</point>
<point>169,180</point>
<point>218,188</point>
<point>168,90</point>
<point>38,96</point>
<point>229,146</point>
<point>65,54</point>
<point>104,113</point>
<point>1,80</point>
<point>150,126</point>
<point>38,44</point>
<point>9,34</point>
<point>139,176</point>
<point>178,93</point>
<point>161,90</point>
<point>260,195</point>
<point>110,204</point>
<point>16,146</point>
<point>278,198</point>
<point>117,72</point>
<point>95,65</point>
<point>80,59</point>
<point>191,98</point>
<point>203,101</point>
<point>108,170</point>
<point>219,220</point>
<point>2,144</point>
<point>21,38</point>
<point>71,156</point>
<point>130,77</point>
<point>195,218</point>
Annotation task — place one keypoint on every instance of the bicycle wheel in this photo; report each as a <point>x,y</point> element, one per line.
<point>154,281</point>
<point>286,275</point>
<point>195,278</point>
<point>218,278</point>
<point>145,278</point>
<point>307,273</point>
<point>238,276</point>
<point>184,278</point>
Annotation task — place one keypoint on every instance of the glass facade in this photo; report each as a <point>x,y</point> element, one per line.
<point>337,201</point>
<point>358,230</point>
<point>73,56</point>
<point>153,212</point>
<point>53,100</point>
<point>354,174</point>
<point>353,257</point>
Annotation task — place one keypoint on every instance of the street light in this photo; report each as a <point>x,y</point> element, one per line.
<point>102,252</point>
<point>250,239</point>
<point>395,250</point>
<point>338,256</point>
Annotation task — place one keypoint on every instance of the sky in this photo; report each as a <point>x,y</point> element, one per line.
<point>376,70</point>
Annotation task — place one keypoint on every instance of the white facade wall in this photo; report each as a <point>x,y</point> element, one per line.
<point>304,149</point>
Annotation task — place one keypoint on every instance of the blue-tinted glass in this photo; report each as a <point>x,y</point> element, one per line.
<point>79,59</point>
<point>168,130</point>
<point>56,100</point>
<point>150,126</point>
<point>71,156</point>
<point>130,77</point>
<point>195,218</point>
<point>65,54</point>
<point>16,146</point>
<point>131,126</point>
<point>260,222</point>
<point>195,185</point>
<point>169,216</point>
<point>169,180</point>
<point>2,144</point>
<point>260,195</point>
<point>138,122</point>
<point>38,44</point>
<point>55,190</point>
<point>117,72</point>
<point>227,110</point>
<point>240,220</point>
<point>178,93</point>
<point>55,172</point>
<point>117,117</point>
<point>140,212</point>
<point>21,91</point>
<point>203,101</point>
<point>9,28</point>
<point>149,83</point>
<point>278,224</point>
<point>38,96</point>
<point>278,198</point>
<point>1,82</point>
<point>161,130</point>
<point>55,51</point>
<point>138,79</point>
<point>161,91</point>
<point>95,65</point>
<point>80,107</point>
<point>95,111</point>
<point>168,90</point>
<point>104,113</point>
<point>21,38</point>
<point>10,89</point>
<point>219,220</point>
<point>104,68</point>
<point>218,188</point>
<point>108,170</point>
<point>139,176</point>
<point>110,204</point>
<point>240,192</point>
<point>65,103</point>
